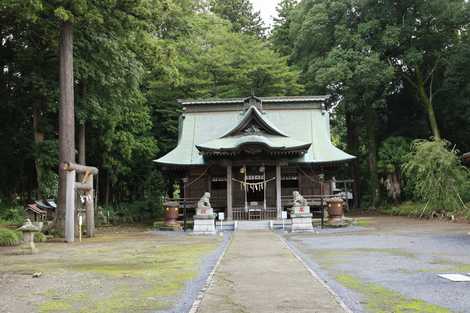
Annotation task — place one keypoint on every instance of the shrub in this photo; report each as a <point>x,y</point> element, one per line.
<point>392,154</point>
<point>9,237</point>
<point>436,176</point>
<point>40,237</point>
<point>11,214</point>
<point>406,208</point>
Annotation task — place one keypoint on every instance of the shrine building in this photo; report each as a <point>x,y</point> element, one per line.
<point>252,153</point>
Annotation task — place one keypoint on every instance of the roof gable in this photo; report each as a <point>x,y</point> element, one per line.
<point>253,122</point>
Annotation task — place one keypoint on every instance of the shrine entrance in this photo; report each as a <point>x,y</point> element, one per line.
<point>256,186</point>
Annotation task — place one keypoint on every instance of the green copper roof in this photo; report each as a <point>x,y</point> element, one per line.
<point>254,129</point>
<point>268,141</point>
<point>293,125</point>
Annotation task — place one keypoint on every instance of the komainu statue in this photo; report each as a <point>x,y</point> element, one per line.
<point>300,214</point>
<point>299,199</point>
<point>300,205</point>
<point>204,205</point>
<point>204,218</point>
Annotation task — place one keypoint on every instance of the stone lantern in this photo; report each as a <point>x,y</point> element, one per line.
<point>28,230</point>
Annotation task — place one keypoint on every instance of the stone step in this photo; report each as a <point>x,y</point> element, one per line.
<point>253,225</point>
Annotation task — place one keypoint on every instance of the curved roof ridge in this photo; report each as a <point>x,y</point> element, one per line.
<point>274,99</point>
<point>252,113</point>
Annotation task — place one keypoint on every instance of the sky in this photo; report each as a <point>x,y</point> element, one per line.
<point>267,9</point>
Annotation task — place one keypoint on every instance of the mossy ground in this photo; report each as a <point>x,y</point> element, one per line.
<point>375,298</point>
<point>378,299</point>
<point>364,222</point>
<point>120,272</point>
<point>372,263</point>
<point>329,258</point>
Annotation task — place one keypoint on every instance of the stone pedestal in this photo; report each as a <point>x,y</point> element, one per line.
<point>28,229</point>
<point>204,224</point>
<point>301,222</point>
<point>28,246</point>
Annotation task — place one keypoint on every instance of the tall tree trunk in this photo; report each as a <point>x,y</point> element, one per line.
<point>107,192</point>
<point>352,142</point>
<point>427,103</point>
<point>81,147</point>
<point>82,128</point>
<point>38,139</point>
<point>66,117</point>
<point>81,144</point>
<point>371,126</point>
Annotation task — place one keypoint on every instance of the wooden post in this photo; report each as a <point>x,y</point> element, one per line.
<point>245,189</point>
<point>65,209</point>
<point>90,210</point>
<point>278,191</point>
<point>185,195</point>
<point>229,193</point>
<point>69,206</point>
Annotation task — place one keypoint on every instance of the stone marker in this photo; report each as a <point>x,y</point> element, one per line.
<point>300,214</point>
<point>28,230</point>
<point>204,219</point>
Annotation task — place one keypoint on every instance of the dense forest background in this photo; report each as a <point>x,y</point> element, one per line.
<point>397,71</point>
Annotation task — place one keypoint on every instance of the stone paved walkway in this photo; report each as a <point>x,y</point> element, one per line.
<point>259,274</point>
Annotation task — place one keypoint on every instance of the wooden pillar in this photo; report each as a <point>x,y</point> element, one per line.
<point>69,230</point>
<point>65,206</point>
<point>90,210</point>
<point>229,193</point>
<point>278,191</point>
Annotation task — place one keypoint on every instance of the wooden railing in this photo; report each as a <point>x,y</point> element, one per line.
<point>191,203</point>
<point>254,213</point>
<point>313,200</point>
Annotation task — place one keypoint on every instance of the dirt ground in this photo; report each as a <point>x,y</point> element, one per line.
<point>391,264</point>
<point>121,270</point>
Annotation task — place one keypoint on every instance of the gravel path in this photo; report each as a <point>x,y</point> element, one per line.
<point>401,256</point>
<point>259,274</point>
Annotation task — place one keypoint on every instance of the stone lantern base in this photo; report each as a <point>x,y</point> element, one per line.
<point>301,222</point>
<point>204,224</point>
<point>28,246</point>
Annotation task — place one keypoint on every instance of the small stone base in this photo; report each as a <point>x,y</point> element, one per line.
<point>27,248</point>
<point>171,227</point>
<point>204,225</point>
<point>301,222</point>
<point>338,221</point>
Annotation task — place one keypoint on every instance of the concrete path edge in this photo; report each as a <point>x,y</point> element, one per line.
<point>197,302</point>
<point>314,275</point>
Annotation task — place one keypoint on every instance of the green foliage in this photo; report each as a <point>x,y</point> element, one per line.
<point>11,214</point>
<point>436,176</point>
<point>40,237</point>
<point>140,211</point>
<point>241,15</point>
<point>407,208</point>
<point>392,154</point>
<point>9,237</point>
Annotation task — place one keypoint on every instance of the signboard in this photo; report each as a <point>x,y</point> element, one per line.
<point>221,216</point>
<point>284,215</point>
